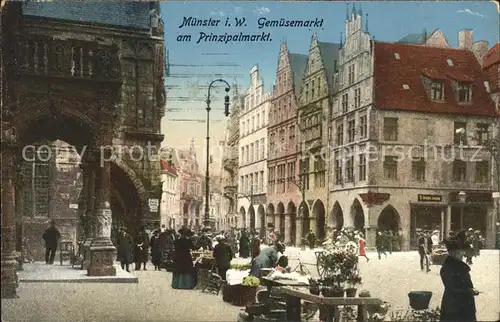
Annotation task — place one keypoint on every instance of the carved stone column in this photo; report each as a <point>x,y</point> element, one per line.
<point>9,263</point>
<point>102,249</point>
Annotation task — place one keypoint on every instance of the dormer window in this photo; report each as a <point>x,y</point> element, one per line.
<point>396,55</point>
<point>437,90</point>
<point>464,93</point>
<point>450,62</point>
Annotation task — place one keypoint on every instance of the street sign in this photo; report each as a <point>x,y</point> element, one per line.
<point>73,206</point>
<point>153,205</point>
<point>495,195</point>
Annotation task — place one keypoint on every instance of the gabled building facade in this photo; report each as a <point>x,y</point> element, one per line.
<point>252,157</point>
<point>417,161</point>
<point>230,161</point>
<point>282,192</point>
<point>315,101</point>
<point>170,196</point>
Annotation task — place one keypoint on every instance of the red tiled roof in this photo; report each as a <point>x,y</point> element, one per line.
<point>416,61</point>
<point>493,56</point>
<point>168,168</point>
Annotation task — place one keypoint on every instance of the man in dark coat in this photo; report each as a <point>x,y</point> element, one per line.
<point>141,248</point>
<point>244,245</point>
<point>223,255</point>
<point>156,254</point>
<point>379,244</point>
<point>458,303</point>
<point>424,250</point>
<point>311,239</point>
<point>268,258</point>
<point>51,237</point>
<point>204,242</point>
<point>125,250</point>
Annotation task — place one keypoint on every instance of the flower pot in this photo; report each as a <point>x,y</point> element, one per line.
<point>351,292</point>
<point>329,292</point>
<point>314,290</point>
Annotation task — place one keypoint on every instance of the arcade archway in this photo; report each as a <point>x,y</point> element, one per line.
<point>270,213</point>
<point>292,212</point>
<point>306,219</point>
<point>262,215</point>
<point>337,217</point>
<point>125,202</point>
<point>389,219</point>
<point>281,215</point>
<point>319,214</point>
<point>243,217</point>
<point>358,215</point>
<point>251,212</point>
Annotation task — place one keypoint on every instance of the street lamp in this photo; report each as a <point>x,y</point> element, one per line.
<point>206,221</point>
<point>462,196</point>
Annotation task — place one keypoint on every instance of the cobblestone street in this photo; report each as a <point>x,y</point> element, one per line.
<point>152,299</point>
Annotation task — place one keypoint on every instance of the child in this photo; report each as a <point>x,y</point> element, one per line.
<point>362,247</point>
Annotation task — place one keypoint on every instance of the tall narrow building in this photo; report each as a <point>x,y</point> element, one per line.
<point>252,161</point>
<point>283,194</point>
<point>315,102</point>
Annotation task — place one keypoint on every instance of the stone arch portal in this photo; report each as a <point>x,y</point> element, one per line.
<point>243,216</point>
<point>251,212</point>
<point>389,219</point>
<point>292,212</point>
<point>337,217</point>
<point>319,214</point>
<point>358,216</point>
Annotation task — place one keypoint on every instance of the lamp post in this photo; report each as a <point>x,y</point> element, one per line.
<point>206,221</point>
<point>461,198</point>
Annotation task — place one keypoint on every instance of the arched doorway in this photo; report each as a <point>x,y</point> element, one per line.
<point>125,202</point>
<point>319,214</point>
<point>389,219</point>
<point>358,215</point>
<point>251,212</point>
<point>306,220</point>
<point>281,214</point>
<point>243,217</point>
<point>292,212</point>
<point>262,215</point>
<point>270,214</point>
<point>337,217</point>
<point>40,190</point>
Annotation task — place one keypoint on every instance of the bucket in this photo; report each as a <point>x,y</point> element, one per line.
<point>419,300</point>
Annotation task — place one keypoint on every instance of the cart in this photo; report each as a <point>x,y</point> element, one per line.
<point>438,255</point>
<point>320,262</point>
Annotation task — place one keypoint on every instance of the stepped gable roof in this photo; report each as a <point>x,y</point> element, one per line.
<point>329,54</point>
<point>167,167</point>
<point>297,65</point>
<point>133,14</point>
<point>492,57</point>
<point>416,62</point>
<point>417,38</point>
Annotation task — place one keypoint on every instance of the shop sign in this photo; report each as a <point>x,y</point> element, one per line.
<point>430,198</point>
<point>153,205</point>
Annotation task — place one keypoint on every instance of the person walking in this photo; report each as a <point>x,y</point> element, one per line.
<point>141,248</point>
<point>244,247</point>
<point>362,247</point>
<point>51,237</point>
<point>379,244</point>
<point>156,254</point>
<point>223,255</point>
<point>125,250</point>
<point>458,302</point>
<point>424,250</point>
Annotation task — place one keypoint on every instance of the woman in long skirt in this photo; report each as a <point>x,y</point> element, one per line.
<point>156,254</point>
<point>184,276</point>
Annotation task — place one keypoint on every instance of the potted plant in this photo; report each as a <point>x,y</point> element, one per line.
<point>353,280</point>
<point>331,287</point>
<point>314,286</point>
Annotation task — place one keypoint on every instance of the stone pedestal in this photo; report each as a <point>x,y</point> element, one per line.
<point>370,237</point>
<point>288,224</point>
<point>102,250</point>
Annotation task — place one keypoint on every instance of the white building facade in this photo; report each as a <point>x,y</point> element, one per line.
<point>170,196</point>
<point>252,159</point>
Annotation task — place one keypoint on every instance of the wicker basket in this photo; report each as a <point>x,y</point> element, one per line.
<point>243,295</point>
<point>419,300</point>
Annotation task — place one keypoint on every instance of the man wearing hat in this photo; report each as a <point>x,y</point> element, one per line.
<point>51,237</point>
<point>458,303</point>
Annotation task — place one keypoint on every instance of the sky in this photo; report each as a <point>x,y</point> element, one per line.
<point>193,66</point>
